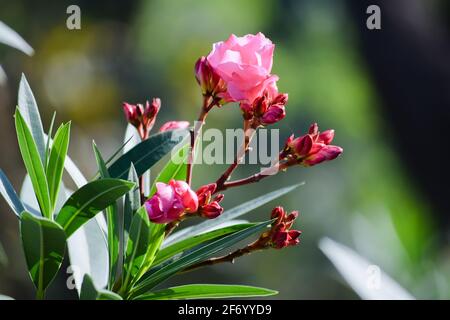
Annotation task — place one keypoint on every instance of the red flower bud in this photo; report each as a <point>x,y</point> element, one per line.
<point>324,154</point>
<point>212,210</point>
<point>142,118</point>
<point>131,114</point>
<point>207,208</point>
<point>281,235</point>
<point>274,114</point>
<point>210,82</point>
<point>312,148</point>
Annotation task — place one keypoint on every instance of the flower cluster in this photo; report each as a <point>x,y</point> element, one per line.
<point>281,234</point>
<point>312,148</point>
<point>236,70</point>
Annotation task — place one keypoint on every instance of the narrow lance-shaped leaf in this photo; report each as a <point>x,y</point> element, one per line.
<point>55,167</point>
<point>354,268</point>
<point>11,38</point>
<point>33,164</point>
<point>228,215</point>
<point>44,244</point>
<point>198,255</point>
<point>30,112</point>
<point>89,200</point>
<point>49,138</point>
<point>132,198</point>
<point>137,245</point>
<point>114,224</point>
<point>146,153</point>
<point>10,195</point>
<point>207,291</point>
<point>189,243</point>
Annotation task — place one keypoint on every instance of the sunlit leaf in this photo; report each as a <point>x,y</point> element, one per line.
<point>367,279</point>
<point>33,163</point>
<point>114,225</point>
<point>29,110</point>
<point>11,38</point>
<point>10,195</point>
<point>89,200</point>
<point>207,291</point>
<point>151,279</point>
<point>55,167</point>
<point>189,243</point>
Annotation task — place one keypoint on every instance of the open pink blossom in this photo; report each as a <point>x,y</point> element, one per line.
<point>171,201</point>
<point>172,125</point>
<point>245,64</point>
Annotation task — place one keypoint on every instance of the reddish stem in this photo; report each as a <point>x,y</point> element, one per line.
<point>208,103</point>
<point>248,135</point>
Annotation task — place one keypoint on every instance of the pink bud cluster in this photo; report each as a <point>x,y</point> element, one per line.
<point>312,148</point>
<point>281,235</point>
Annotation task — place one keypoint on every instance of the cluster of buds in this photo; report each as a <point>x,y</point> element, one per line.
<point>209,207</point>
<point>142,117</point>
<point>312,148</point>
<point>211,83</point>
<point>280,234</point>
<point>267,109</point>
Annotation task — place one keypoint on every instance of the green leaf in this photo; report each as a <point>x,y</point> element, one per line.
<point>198,255</point>
<point>55,167</point>
<point>49,138</point>
<point>90,292</point>
<point>137,245</point>
<point>189,243</point>
<point>228,215</point>
<point>10,195</point>
<point>146,153</point>
<point>114,224</point>
<point>157,234</point>
<point>33,164</point>
<point>44,244</point>
<point>207,291</point>
<point>11,38</point>
<point>174,169</point>
<point>30,113</point>
<point>354,269</point>
<point>132,199</point>
<point>3,297</point>
<point>89,200</point>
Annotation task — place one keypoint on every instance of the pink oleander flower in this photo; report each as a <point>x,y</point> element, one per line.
<point>142,117</point>
<point>281,234</point>
<point>172,125</point>
<point>267,109</point>
<point>207,207</point>
<point>171,201</point>
<point>312,148</point>
<point>245,65</point>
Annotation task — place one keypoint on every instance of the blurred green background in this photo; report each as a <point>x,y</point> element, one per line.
<point>375,198</point>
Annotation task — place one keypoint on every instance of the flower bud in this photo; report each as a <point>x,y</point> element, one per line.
<point>207,208</point>
<point>281,235</point>
<point>274,114</point>
<point>131,114</point>
<point>173,125</point>
<point>312,148</point>
<point>210,82</point>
